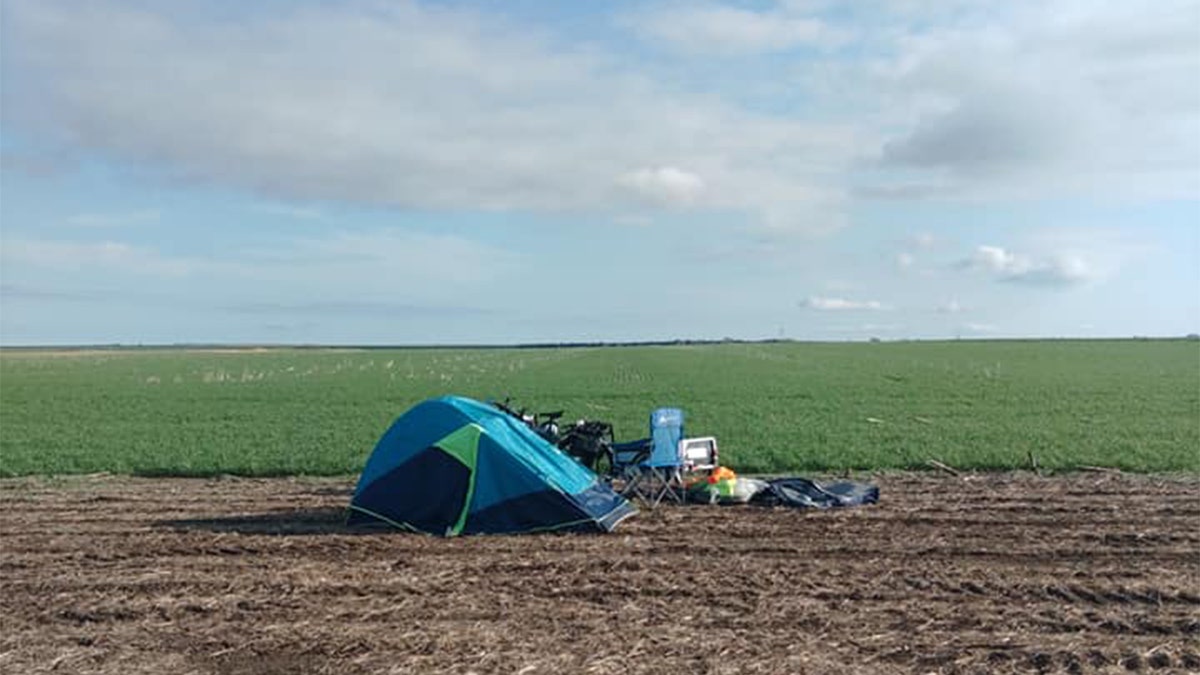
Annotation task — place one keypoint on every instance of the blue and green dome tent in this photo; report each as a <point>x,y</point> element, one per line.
<point>453,465</point>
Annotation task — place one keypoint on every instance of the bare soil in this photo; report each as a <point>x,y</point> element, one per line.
<point>987,574</point>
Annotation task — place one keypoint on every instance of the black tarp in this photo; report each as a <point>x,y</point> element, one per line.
<point>804,493</point>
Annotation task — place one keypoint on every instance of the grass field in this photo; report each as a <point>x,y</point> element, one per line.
<point>1133,405</point>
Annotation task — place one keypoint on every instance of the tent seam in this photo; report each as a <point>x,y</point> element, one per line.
<point>389,521</point>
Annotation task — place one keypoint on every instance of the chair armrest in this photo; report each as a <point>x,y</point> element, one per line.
<point>631,452</point>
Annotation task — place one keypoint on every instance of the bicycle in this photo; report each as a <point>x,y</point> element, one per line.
<point>588,441</point>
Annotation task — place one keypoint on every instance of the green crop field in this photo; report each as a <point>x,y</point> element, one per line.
<point>1133,405</point>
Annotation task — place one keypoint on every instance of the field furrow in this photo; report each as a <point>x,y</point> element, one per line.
<point>992,573</point>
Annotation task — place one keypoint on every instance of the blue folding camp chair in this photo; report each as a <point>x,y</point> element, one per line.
<point>653,468</point>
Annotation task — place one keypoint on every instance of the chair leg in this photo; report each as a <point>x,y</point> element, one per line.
<point>642,484</point>
<point>655,485</point>
<point>668,482</point>
<point>659,489</point>
<point>633,485</point>
<point>675,485</point>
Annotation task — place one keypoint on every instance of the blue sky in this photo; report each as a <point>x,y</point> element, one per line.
<point>477,172</point>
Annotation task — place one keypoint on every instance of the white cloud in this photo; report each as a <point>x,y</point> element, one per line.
<point>905,260</point>
<point>842,304</point>
<point>664,185</point>
<point>996,259</point>
<point>721,29</point>
<point>1061,269</point>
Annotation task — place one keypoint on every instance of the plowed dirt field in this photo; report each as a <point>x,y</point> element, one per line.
<point>988,574</point>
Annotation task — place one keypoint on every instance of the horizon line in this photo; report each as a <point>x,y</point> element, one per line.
<point>159,346</point>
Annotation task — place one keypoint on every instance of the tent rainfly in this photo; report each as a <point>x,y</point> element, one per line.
<point>453,465</point>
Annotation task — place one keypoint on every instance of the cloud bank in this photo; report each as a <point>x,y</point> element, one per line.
<point>402,105</point>
<point>1021,100</point>
<point>422,106</point>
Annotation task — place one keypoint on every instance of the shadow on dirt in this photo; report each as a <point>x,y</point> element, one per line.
<point>338,491</point>
<point>330,520</point>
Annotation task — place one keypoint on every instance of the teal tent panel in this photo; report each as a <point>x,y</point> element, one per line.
<point>542,458</point>
<point>501,477</point>
<point>419,428</point>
